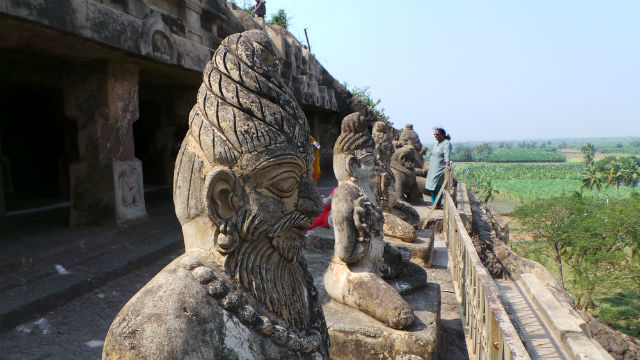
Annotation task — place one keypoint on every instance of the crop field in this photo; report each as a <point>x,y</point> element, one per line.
<point>513,184</point>
<point>624,150</point>
<point>525,155</point>
<point>529,181</point>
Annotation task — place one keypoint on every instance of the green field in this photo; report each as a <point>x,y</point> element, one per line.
<point>525,155</point>
<point>530,181</point>
<point>618,302</point>
<point>522,175</point>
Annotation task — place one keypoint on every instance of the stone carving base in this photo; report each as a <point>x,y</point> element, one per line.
<point>356,335</point>
<point>436,218</point>
<point>319,238</point>
<point>421,248</point>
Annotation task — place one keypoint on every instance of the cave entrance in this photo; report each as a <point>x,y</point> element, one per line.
<point>37,141</point>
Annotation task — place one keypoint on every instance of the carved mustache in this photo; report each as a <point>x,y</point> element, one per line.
<point>290,220</point>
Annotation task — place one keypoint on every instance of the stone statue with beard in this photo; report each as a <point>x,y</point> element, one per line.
<point>399,218</point>
<point>362,261</point>
<point>244,196</point>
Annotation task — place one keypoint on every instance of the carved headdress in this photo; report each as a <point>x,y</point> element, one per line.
<point>243,107</point>
<point>354,135</point>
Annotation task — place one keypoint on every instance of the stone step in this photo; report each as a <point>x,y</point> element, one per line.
<point>70,255</point>
<point>421,248</point>
<point>44,288</point>
<point>435,220</point>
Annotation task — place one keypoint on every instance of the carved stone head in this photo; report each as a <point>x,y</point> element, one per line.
<point>404,158</point>
<point>242,185</point>
<point>354,153</point>
<point>410,137</point>
<point>383,136</point>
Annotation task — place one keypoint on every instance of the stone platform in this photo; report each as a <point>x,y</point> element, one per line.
<point>421,248</point>
<point>355,335</point>
<point>435,218</point>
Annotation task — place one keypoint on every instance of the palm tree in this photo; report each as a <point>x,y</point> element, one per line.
<point>631,176</point>
<point>615,175</point>
<point>487,192</point>
<point>589,152</point>
<point>591,180</point>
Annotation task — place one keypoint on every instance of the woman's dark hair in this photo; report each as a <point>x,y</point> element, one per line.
<point>443,133</point>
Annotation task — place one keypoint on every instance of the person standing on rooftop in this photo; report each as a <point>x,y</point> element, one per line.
<point>260,10</point>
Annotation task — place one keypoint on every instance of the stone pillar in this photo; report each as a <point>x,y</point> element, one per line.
<point>193,11</point>
<point>3,209</point>
<point>106,180</point>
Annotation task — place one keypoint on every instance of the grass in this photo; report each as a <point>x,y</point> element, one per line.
<point>525,182</point>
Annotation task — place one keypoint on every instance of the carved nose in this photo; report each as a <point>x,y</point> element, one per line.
<point>309,202</point>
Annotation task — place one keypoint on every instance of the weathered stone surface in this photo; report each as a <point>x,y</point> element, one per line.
<point>175,317</point>
<point>584,348</point>
<point>244,196</point>
<point>411,138</point>
<point>102,98</point>
<point>361,258</point>
<point>354,335</point>
<point>129,190</point>
<point>421,248</point>
<point>319,238</point>
<point>434,220</point>
<point>394,225</point>
<point>561,318</point>
<point>403,166</point>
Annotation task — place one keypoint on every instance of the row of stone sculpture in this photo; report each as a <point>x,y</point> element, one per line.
<point>244,196</point>
<point>362,206</point>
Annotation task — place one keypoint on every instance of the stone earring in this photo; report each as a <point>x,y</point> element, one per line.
<point>226,236</point>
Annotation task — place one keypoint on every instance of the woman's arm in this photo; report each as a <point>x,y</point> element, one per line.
<point>447,154</point>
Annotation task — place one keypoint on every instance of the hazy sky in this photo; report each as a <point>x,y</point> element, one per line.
<point>485,70</point>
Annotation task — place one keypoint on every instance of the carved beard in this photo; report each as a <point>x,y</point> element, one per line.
<point>267,262</point>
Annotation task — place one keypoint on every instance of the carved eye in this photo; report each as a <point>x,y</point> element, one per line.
<point>284,184</point>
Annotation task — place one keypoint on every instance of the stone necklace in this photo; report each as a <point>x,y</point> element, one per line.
<point>251,313</point>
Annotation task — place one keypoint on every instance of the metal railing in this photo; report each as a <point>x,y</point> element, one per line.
<point>492,335</point>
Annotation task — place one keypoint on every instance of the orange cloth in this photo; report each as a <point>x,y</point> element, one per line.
<point>316,161</point>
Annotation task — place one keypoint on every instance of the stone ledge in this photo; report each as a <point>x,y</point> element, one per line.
<point>464,206</point>
<point>421,248</point>
<point>558,316</point>
<point>355,335</point>
<point>584,348</point>
<point>565,324</point>
<point>435,221</point>
<point>319,238</point>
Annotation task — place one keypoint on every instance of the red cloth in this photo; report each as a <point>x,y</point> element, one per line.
<point>322,219</point>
